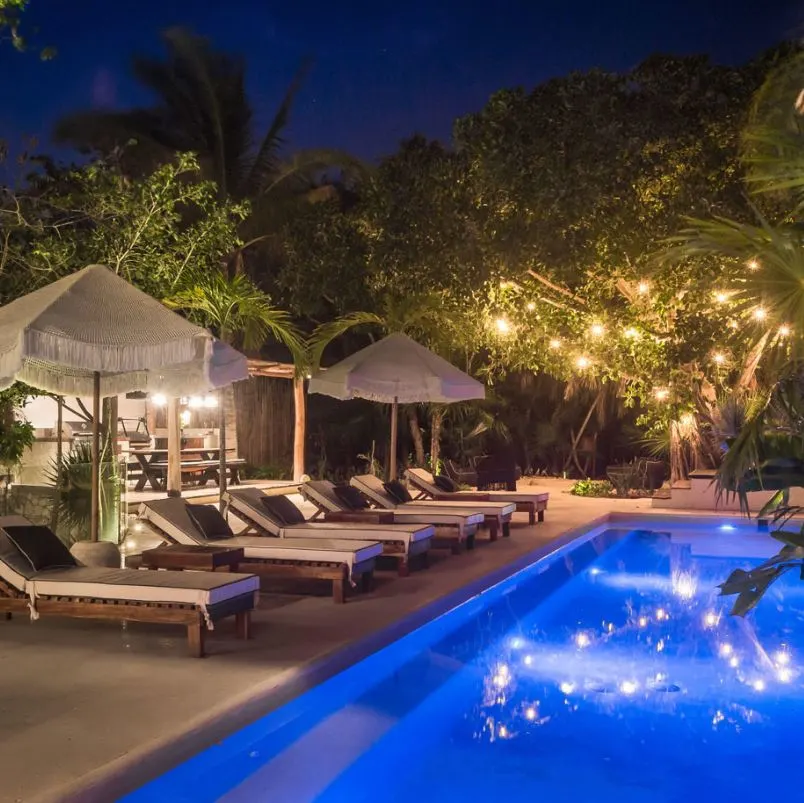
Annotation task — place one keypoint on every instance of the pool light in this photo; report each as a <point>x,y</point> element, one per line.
<point>530,714</point>
<point>711,619</point>
<point>725,649</point>
<point>684,585</point>
<point>582,640</point>
<point>528,659</point>
<point>758,685</point>
<point>629,687</point>
<point>642,621</point>
<point>517,643</point>
<point>734,662</point>
<point>661,615</point>
<point>567,688</point>
<point>784,675</point>
<point>782,657</point>
<point>503,731</point>
<point>594,571</point>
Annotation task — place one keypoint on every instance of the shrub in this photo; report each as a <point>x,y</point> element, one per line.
<point>592,488</point>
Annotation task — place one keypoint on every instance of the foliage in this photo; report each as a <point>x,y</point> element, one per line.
<point>268,472</point>
<point>592,488</point>
<point>15,438</point>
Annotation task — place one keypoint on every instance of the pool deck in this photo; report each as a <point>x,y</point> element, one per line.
<point>86,704</point>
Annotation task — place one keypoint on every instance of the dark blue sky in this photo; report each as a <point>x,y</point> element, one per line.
<point>382,70</point>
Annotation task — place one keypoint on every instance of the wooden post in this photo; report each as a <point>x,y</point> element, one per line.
<point>174,448</point>
<point>300,424</point>
<point>394,431</point>
<point>222,448</point>
<point>59,449</point>
<point>94,529</point>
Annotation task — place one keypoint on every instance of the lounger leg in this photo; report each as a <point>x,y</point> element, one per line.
<point>339,591</point>
<point>532,516</point>
<point>470,541</point>
<point>366,582</point>
<point>8,616</point>
<point>541,515</point>
<point>404,567</point>
<point>494,529</point>
<point>195,639</point>
<point>506,528</point>
<point>457,547</point>
<point>243,624</point>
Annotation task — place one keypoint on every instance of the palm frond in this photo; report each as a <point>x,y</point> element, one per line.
<point>324,334</point>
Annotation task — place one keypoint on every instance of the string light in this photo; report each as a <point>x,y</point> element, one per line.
<point>632,333</point>
<point>721,297</point>
<point>719,358</point>
<point>597,329</point>
<point>531,305</point>
<point>661,394</point>
<point>759,314</point>
<point>752,264</point>
<point>643,288</point>
<point>555,343</point>
<point>733,325</point>
<point>503,327</point>
<point>582,362</point>
<point>784,330</point>
<point>159,399</point>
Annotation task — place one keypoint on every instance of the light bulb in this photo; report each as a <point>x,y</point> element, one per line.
<point>725,649</point>
<point>643,288</point>
<point>784,330</point>
<point>503,327</point>
<point>719,358</point>
<point>782,657</point>
<point>759,314</point>
<point>710,619</point>
<point>159,399</point>
<point>784,675</point>
<point>531,305</point>
<point>597,329</point>
<point>582,640</point>
<point>555,344</point>
<point>752,264</point>
<point>503,731</point>
<point>210,401</point>
<point>661,394</point>
<point>643,621</point>
<point>530,714</point>
<point>631,333</point>
<point>528,660</point>
<point>734,662</point>
<point>661,614</point>
<point>628,687</point>
<point>566,688</point>
<point>721,297</point>
<point>195,402</point>
<point>582,362</point>
<point>759,684</point>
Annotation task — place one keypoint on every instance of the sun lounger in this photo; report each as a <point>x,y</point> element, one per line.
<point>338,560</point>
<point>278,516</point>
<point>496,515</point>
<point>39,575</point>
<point>534,504</point>
<point>345,503</point>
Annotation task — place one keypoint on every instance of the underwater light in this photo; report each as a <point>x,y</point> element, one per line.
<point>711,619</point>
<point>642,621</point>
<point>628,687</point>
<point>516,643</point>
<point>582,640</point>
<point>727,527</point>
<point>784,675</point>
<point>530,714</point>
<point>725,649</point>
<point>528,659</point>
<point>734,662</point>
<point>782,657</point>
<point>567,688</point>
<point>758,685</point>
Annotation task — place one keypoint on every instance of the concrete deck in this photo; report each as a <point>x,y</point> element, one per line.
<point>83,699</point>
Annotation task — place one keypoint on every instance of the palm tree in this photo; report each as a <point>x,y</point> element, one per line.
<point>201,106</point>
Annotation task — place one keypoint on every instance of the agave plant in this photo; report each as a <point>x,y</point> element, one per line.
<point>71,478</point>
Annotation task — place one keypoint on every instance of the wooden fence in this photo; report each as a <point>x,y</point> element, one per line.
<point>265,422</point>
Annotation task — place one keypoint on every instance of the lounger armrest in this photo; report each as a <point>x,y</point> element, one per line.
<point>379,516</point>
<point>464,496</point>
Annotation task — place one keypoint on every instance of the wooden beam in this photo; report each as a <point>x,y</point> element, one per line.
<point>299,427</point>
<point>174,448</point>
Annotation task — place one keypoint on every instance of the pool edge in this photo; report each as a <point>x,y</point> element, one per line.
<point>132,770</point>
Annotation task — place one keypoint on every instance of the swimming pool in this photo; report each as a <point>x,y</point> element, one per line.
<point>608,671</point>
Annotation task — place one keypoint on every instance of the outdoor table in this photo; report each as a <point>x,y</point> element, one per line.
<point>201,460</point>
<point>193,558</point>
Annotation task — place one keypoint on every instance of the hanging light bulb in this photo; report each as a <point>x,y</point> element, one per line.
<point>661,394</point>
<point>582,362</point>
<point>733,325</point>
<point>555,343</point>
<point>752,264</point>
<point>159,399</point>
<point>597,329</point>
<point>632,333</point>
<point>503,327</point>
<point>784,330</point>
<point>721,297</point>
<point>759,314</point>
<point>719,358</point>
<point>531,305</point>
<point>643,288</point>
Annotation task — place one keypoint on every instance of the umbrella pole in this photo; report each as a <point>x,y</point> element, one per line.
<point>394,427</point>
<point>174,448</point>
<point>222,448</point>
<point>95,508</point>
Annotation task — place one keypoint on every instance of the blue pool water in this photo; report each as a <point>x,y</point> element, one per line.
<point>607,672</point>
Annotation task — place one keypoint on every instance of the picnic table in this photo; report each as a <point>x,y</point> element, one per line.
<point>201,463</point>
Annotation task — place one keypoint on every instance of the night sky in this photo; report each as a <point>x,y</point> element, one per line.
<point>383,71</point>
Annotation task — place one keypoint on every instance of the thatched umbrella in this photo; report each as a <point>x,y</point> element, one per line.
<point>92,333</point>
<point>397,370</point>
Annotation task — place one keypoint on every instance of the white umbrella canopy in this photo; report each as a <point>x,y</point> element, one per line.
<point>93,321</point>
<point>393,370</point>
<point>93,333</point>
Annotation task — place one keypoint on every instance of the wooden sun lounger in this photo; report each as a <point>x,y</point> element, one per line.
<point>169,519</point>
<point>496,515</point>
<point>83,593</point>
<point>453,531</point>
<point>401,541</point>
<point>534,504</point>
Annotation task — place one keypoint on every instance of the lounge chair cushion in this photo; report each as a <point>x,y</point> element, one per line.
<point>40,547</point>
<point>351,497</point>
<point>283,510</point>
<point>445,484</point>
<point>209,522</point>
<point>398,492</point>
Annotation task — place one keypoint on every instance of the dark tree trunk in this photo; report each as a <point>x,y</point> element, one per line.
<point>416,435</point>
<point>436,419</point>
